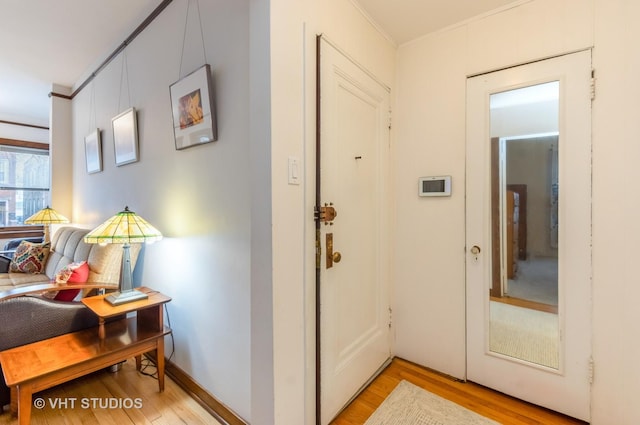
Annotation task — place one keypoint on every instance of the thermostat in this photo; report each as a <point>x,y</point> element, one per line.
<point>435,186</point>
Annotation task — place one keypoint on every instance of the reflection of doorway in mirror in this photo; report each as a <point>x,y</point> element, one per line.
<point>532,178</point>
<point>524,315</point>
<point>524,303</point>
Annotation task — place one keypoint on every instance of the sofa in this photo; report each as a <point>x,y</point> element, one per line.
<point>28,315</point>
<point>68,246</point>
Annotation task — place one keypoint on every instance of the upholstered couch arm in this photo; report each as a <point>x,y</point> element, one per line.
<point>29,319</point>
<point>4,264</point>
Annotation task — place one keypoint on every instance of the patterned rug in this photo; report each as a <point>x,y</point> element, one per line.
<point>411,405</point>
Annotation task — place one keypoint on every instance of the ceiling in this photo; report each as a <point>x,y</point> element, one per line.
<point>406,20</point>
<point>44,42</point>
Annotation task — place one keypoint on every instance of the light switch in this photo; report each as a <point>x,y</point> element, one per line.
<point>294,170</point>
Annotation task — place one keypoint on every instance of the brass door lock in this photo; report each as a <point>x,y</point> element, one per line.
<point>326,214</point>
<point>332,257</point>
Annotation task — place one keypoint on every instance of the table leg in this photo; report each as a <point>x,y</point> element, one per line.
<point>14,401</point>
<point>160,365</point>
<point>101,332</point>
<point>138,363</point>
<point>24,405</point>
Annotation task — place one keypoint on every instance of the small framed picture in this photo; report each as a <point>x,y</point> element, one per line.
<point>125,137</point>
<point>93,152</point>
<point>194,120</point>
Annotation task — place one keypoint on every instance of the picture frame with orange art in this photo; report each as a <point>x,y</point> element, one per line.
<point>192,105</point>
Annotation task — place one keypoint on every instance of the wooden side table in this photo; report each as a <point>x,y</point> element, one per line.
<point>149,311</point>
<point>35,367</point>
<point>149,315</point>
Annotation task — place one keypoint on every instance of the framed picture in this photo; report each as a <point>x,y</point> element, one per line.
<point>194,121</point>
<point>125,137</point>
<point>93,152</point>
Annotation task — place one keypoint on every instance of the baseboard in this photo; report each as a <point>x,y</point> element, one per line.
<point>214,406</point>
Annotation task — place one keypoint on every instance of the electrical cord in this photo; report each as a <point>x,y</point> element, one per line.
<point>148,364</point>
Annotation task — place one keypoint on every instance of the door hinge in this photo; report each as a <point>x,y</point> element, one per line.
<point>318,250</point>
<point>591,370</point>
<point>593,84</point>
<point>390,317</point>
<point>389,122</point>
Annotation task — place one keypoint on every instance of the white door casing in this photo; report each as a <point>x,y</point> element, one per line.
<point>567,389</point>
<point>354,177</point>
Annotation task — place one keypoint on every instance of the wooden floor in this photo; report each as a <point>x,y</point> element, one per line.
<point>122,398</point>
<point>499,407</point>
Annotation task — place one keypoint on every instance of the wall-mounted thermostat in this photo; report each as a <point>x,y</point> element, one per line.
<point>435,186</point>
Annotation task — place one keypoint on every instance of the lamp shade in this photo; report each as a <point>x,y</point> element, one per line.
<point>126,227</point>
<point>47,216</point>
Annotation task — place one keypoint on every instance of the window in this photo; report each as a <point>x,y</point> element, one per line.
<point>24,180</point>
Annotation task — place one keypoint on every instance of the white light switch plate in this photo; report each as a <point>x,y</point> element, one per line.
<point>294,170</point>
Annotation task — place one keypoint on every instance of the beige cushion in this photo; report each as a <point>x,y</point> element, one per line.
<point>11,280</point>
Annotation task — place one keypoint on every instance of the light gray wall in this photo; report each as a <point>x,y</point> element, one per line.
<point>199,198</point>
<point>237,257</point>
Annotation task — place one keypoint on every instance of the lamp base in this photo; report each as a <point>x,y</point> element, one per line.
<point>124,297</point>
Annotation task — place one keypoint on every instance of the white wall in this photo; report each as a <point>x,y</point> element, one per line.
<point>294,26</point>
<point>430,239</point>
<point>615,227</point>
<point>522,120</point>
<point>18,132</point>
<point>199,198</point>
<point>60,150</point>
<point>431,114</point>
<point>59,141</point>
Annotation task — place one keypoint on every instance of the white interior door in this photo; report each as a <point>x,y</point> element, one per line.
<point>563,384</point>
<point>354,289</point>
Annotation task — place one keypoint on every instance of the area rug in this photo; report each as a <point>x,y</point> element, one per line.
<point>411,405</point>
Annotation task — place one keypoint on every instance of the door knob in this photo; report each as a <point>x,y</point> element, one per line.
<point>475,250</point>
<point>336,257</point>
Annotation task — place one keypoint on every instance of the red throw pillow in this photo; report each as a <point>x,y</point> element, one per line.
<point>79,273</point>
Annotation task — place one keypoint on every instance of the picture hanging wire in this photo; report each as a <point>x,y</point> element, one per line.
<point>92,107</point>
<point>184,35</point>
<point>124,73</point>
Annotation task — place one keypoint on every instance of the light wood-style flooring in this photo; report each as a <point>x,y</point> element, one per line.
<point>499,407</point>
<point>96,398</point>
<point>174,406</point>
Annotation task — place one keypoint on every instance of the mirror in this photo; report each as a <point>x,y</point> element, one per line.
<point>523,310</point>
